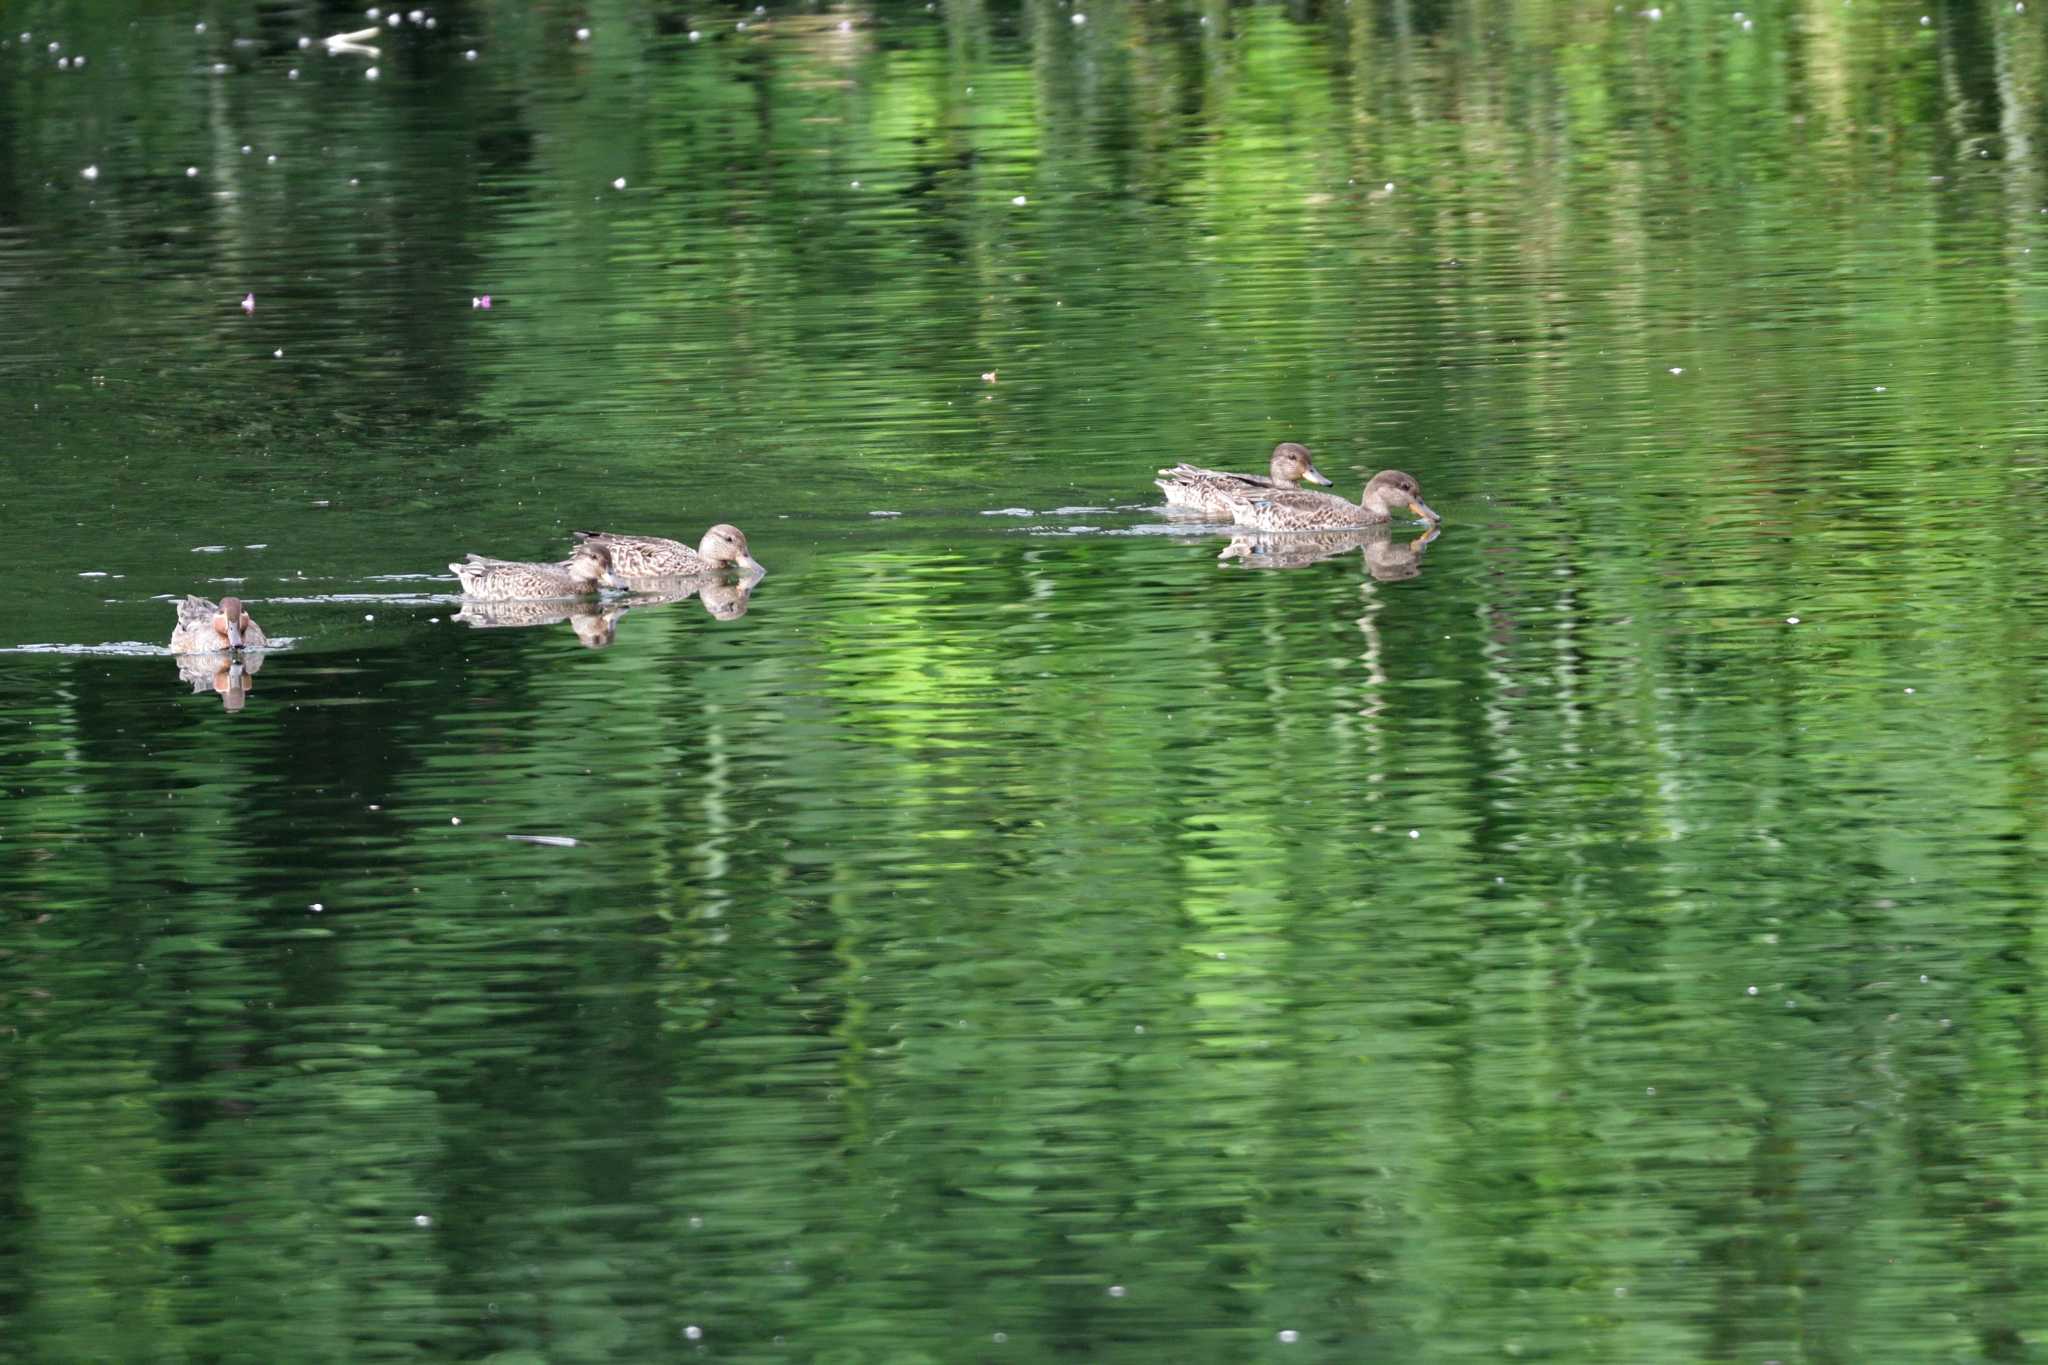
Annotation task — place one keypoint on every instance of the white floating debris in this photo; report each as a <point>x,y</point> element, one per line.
<point>1878,389</point>
<point>1080,19</point>
<point>421,1220</point>
<point>209,549</point>
<point>1752,990</point>
<point>316,907</point>
<point>368,616</point>
<point>695,35</point>
<point>456,820</point>
<point>1677,369</point>
<point>248,303</point>
<point>1289,1335</point>
<point>304,41</point>
<point>551,840</point>
<point>246,149</point>
<point>694,1332</point>
<point>620,183</point>
<point>1116,1291</point>
<point>270,160</point>
<point>898,514</point>
<point>292,74</point>
<point>277,354</point>
<point>854,185</point>
<point>1791,620</point>
<point>371,74</point>
<point>582,35</point>
<point>199,27</point>
<point>102,573</point>
<point>1008,512</point>
<point>191,172</point>
<point>1415,834</point>
<point>469,55</point>
<point>91,172</point>
<point>1020,201</point>
<point>394,19</point>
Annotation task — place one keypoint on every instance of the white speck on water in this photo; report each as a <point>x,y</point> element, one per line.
<point>1909,691</point>
<point>1621,1291</point>
<point>1791,1004</point>
<point>1415,834</point>
<point>191,172</point>
<point>1137,1028</point>
<point>270,160</point>
<point>582,35</point>
<point>372,74</point>
<point>1925,21</point>
<point>316,907</point>
<point>694,1332</point>
<point>846,25</point>
<point>456,820</point>
<point>1007,512</point>
<point>277,354</point>
<point>856,184</point>
<point>885,514</point>
<point>1752,990</point>
<point>551,840</point>
<point>209,549</point>
<point>741,26</point>
<point>353,182</point>
<point>374,12</point>
<point>620,183</point>
<point>1080,19</point>
<point>1791,620</point>
<point>1020,201</point>
<point>368,616</point>
<point>421,1220</point>
<point>91,172</point>
<point>1289,1336</point>
<point>1877,388</point>
<point>304,41</point>
<point>469,55</point>
<point>999,1337</point>
<point>428,21</point>
<point>199,27</point>
<point>695,35</point>
<point>63,63</point>
<point>1116,1291</point>
<point>292,74</point>
<point>1677,369</point>
<point>1650,1090</point>
<point>246,149</point>
<point>220,68</point>
<point>394,19</point>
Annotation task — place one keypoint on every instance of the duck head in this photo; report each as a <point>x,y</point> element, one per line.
<point>1293,464</point>
<point>724,544</point>
<point>591,564</point>
<point>1392,491</point>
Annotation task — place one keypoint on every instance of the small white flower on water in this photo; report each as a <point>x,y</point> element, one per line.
<point>620,183</point>
<point>91,172</point>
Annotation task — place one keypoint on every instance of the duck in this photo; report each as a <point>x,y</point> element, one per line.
<point>204,628</point>
<point>1282,509</point>
<point>1207,490</point>
<point>510,580</point>
<point>639,560</point>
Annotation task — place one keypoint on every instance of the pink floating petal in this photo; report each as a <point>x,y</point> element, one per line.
<point>482,301</point>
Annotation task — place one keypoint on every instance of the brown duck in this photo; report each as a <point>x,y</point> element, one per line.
<point>1196,489</point>
<point>511,580</point>
<point>204,628</point>
<point>1386,493</point>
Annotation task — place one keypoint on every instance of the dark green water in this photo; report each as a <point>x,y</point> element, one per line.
<point>1605,934</point>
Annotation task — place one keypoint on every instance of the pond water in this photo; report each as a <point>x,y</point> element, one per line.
<point>1024,926</point>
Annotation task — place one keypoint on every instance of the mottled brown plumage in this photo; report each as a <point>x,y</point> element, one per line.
<point>204,628</point>
<point>505,580</point>
<point>653,560</point>
<point>1388,492</point>
<point>1196,489</point>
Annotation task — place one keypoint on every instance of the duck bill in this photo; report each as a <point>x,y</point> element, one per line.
<point>234,625</point>
<point>1314,475</point>
<point>751,566</point>
<point>1422,509</point>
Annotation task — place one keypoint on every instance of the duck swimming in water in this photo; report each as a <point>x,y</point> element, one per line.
<point>1386,493</point>
<point>1208,490</point>
<point>638,560</point>
<point>204,628</point>
<point>511,580</point>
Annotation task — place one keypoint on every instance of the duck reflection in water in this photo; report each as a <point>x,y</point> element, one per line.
<point>1386,558</point>
<point>596,625</point>
<point>231,675</point>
